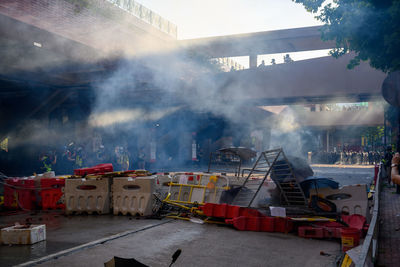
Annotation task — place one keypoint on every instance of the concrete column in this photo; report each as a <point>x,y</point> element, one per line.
<point>327,140</point>
<point>253,61</point>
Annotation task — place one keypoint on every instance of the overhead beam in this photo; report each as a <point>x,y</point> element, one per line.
<point>260,43</point>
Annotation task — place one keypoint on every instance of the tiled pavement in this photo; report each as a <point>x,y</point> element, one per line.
<point>389,232</point>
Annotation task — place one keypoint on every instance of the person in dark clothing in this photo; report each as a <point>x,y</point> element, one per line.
<point>48,160</point>
<point>387,161</point>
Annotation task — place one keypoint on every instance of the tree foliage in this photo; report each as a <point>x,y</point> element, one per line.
<point>370,28</point>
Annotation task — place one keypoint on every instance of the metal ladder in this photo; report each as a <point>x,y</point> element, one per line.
<point>273,163</point>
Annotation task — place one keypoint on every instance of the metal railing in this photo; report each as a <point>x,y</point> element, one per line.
<point>369,250</point>
<point>147,15</point>
<point>228,64</point>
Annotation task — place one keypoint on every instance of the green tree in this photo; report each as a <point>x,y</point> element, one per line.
<point>370,28</point>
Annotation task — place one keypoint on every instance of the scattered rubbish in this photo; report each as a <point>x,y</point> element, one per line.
<point>197,220</point>
<point>175,256</point>
<point>322,253</point>
<point>123,262</point>
<point>277,211</point>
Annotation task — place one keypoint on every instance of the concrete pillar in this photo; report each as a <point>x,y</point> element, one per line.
<point>253,61</point>
<point>327,140</point>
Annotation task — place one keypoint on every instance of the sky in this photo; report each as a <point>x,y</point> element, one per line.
<point>205,18</point>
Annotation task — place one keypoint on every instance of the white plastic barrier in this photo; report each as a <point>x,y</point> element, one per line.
<point>351,199</point>
<point>133,195</point>
<point>87,196</point>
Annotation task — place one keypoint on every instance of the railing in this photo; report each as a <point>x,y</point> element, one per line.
<point>228,64</point>
<point>147,15</point>
<point>368,255</point>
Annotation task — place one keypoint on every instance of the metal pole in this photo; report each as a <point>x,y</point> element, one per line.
<point>384,129</point>
<point>398,142</point>
<point>398,131</point>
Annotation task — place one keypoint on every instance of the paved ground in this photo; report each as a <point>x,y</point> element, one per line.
<point>389,232</point>
<point>202,245</point>
<point>207,245</point>
<point>345,174</point>
<point>64,232</point>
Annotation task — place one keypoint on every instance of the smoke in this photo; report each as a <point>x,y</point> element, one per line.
<point>159,97</point>
<point>286,132</point>
<point>107,119</point>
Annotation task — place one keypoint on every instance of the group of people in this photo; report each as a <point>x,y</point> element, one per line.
<point>347,157</point>
<point>75,156</point>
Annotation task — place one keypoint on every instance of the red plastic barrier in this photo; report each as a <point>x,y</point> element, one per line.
<point>355,221</point>
<point>311,232</point>
<point>98,169</point>
<point>283,225</point>
<point>19,193</point>
<point>51,192</point>
<point>228,211</point>
<point>333,229</point>
<point>332,232</point>
<point>350,238</point>
<point>259,224</point>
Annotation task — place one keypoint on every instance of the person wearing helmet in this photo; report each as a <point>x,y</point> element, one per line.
<point>48,159</point>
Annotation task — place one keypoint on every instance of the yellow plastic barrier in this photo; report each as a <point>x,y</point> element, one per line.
<point>207,188</point>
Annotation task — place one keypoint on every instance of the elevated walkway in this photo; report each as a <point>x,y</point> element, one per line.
<point>320,80</point>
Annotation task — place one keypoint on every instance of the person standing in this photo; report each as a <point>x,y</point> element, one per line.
<point>387,161</point>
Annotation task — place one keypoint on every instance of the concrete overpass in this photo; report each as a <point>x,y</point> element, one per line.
<point>320,80</point>
<point>259,43</point>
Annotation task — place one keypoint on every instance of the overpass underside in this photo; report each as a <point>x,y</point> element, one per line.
<point>321,80</point>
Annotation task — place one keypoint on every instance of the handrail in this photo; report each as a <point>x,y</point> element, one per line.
<point>369,249</point>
